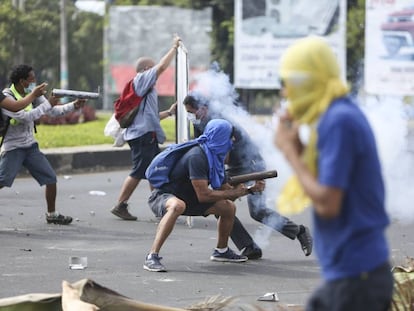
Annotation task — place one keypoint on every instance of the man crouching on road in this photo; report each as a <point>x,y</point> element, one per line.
<point>186,191</point>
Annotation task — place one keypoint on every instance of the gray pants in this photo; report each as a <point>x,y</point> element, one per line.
<point>258,210</point>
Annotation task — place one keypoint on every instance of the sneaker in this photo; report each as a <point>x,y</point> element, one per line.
<point>152,263</point>
<point>305,240</point>
<point>229,256</point>
<point>121,210</point>
<point>252,252</point>
<point>58,219</point>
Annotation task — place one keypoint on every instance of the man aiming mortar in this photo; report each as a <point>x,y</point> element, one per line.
<point>182,187</point>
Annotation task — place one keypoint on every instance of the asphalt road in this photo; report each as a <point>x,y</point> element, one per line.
<point>35,256</point>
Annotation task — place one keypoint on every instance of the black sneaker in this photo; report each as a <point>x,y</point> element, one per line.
<point>58,219</point>
<point>228,256</point>
<point>121,210</point>
<point>252,252</point>
<point>152,263</point>
<point>305,240</point>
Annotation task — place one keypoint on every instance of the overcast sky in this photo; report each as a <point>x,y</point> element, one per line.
<point>94,6</point>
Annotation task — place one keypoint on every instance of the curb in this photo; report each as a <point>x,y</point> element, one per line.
<point>88,158</point>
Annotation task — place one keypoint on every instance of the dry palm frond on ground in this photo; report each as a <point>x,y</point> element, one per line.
<point>403,296</point>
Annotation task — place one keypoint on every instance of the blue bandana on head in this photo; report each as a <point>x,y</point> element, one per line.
<point>216,143</point>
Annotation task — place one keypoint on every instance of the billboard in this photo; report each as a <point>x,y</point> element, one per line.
<point>389,47</point>
<point>135,31</point>
<point>265,28</point>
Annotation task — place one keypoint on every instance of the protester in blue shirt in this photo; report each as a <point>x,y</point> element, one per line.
<point>339,171</point>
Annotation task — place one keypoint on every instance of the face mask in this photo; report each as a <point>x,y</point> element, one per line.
<point>30,88</point>
<point>193,119</point>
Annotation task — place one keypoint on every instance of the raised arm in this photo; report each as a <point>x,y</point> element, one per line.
<point>167,58</point>
<point>13,105</point>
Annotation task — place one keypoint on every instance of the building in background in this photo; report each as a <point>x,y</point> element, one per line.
<point>135,31</point>
<point>389,48</point>
<point>265,28</point>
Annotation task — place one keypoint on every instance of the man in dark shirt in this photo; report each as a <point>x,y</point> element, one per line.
<point>196,187</point>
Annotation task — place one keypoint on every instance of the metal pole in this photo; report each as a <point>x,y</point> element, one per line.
<point>106,100</point>
<point>18,57</point>
<point>64,76</point>
<point>181,85</point>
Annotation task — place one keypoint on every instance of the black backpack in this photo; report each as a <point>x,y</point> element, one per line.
<point>4,120</point>
<point>4,125</point>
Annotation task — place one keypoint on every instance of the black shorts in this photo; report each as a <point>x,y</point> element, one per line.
<point>143,150</point>
<point>158,199</point>
<point>369,291</point>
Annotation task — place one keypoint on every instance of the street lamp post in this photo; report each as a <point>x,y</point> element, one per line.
<point>64,76</point>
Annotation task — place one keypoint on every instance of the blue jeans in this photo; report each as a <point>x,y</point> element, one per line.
<point>31,158</point>
<point>261,213</point>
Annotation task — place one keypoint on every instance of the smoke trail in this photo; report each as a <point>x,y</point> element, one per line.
<point>223,99</point>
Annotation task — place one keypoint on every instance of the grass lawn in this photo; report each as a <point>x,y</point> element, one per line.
<point>89,133</point>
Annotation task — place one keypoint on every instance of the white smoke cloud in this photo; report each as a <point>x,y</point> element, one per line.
<point>390,123</point>
<point>387,116</point>
<point>223,98</point>
<point>216,86</point>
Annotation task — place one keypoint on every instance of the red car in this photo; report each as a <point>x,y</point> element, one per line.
<point>398,31</point>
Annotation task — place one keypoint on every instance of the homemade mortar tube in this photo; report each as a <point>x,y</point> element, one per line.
<point>74,94</point>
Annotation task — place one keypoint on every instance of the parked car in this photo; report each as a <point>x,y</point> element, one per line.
<point>398,30</point>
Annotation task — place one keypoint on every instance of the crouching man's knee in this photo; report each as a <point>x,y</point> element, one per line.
<point>175,206</point>
<point>225,208</point>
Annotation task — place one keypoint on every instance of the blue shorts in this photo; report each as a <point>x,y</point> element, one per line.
<point>32,159</point>
<point>143,150</point>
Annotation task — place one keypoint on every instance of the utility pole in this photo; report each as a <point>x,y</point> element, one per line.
<point>19,56</point>
<point>106,101</point>
<point>18,4</point>
<point>64,76</point>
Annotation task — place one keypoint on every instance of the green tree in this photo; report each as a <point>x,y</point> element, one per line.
<point>85,51</point>
<point>32,36</point>
<point>355,40</point>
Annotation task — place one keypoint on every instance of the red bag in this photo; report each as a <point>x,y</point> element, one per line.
<point>127,105</point>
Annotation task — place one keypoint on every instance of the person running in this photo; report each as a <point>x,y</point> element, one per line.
<point>145,132</point>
